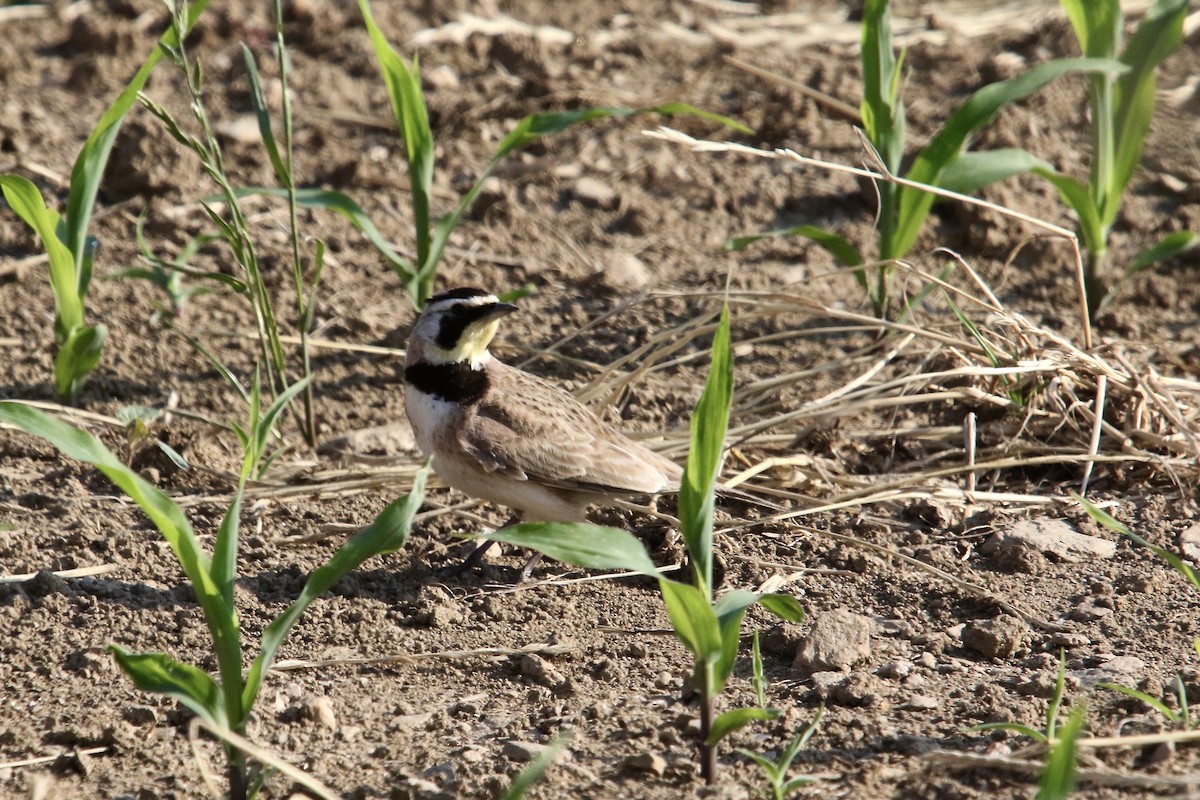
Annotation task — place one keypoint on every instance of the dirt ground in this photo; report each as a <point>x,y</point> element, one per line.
<point>620,235</point>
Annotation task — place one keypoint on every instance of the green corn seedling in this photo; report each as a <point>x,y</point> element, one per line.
<point>708,626</point>
<point>942,163</point>
<point>1121,107</point>
<point>224,700</point>
<point>412,119</point>
<point>66,239</point>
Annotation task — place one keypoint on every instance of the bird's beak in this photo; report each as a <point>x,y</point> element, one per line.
<point>496,311</point>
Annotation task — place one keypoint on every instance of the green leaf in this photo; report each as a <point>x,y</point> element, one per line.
<point>710,421</point>
<point>162,511</point>
<point>881,109</point>
<point>386,534</point>
<point>224,558</point>
<point>737,718</point>
<point>974,114</point>
<point>580,544</point>
<point>1169,246</point>
<point>972,171</point>
<point>1015,727</point>
<point>784,606</point>
<point>730,608</point>
<point>25,199</point>
<point>1101,516</point>
<point>693,621</point>
<point>533,773</point>
<point>89,165</point>
<point>1079,197</point>
<point>1058,776</point>
<point>336,201</point>
<point>161,674</point>
<point>263,115</point>
<point>1159,34</point>
<point>838,246</point>
<point>1097,25</point>
<point>1153,702</point>
<point>77,358</point>
<point>412,119</point>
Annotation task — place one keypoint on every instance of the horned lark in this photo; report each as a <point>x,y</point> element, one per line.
<point>501,434</point>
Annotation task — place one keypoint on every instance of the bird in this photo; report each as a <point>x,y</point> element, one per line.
<point>498,433</point>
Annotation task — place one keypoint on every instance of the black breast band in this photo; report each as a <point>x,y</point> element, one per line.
<point>454,383</point>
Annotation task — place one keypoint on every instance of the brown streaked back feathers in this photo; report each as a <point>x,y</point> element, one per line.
<point>544,434</point>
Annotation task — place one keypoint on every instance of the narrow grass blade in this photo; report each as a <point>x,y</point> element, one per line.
<point>1153,702</point>
<point>412,119</point>
<point>837,246</point>
<point>159,673</point>
<point>328,199</point>
<point>581,544</point>
<point>89,165</point>
<point>882,111</point>
<point>263,115</point>
<point>1112,524</point>
<point>1024,730</point>
<point>536,769</point>
<point>224,557</point>
<point>730,721</point>
<point>387,534</point>
<point>710,421</point>
<point>1058,776</point>
<point>25,199</point>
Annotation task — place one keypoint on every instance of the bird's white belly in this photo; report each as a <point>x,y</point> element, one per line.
<point>432,420</point>
<point>428,414</point>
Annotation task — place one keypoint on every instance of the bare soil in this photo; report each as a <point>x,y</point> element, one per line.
<point>600,663</point>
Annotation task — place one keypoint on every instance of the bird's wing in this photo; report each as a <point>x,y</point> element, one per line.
<point>530,429</point>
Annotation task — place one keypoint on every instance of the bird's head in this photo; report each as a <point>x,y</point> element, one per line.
<point>457,326</point>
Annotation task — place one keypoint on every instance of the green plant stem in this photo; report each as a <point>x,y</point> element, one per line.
<point>235,772</point>
<point>308,425</point>
<point>708,752</point>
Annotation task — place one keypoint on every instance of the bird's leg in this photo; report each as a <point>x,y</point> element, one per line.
<point>474,558</point>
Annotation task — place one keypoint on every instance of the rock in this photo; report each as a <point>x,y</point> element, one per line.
<point>1189,543</point>
<point>927,660</point>
<point>895,669</point>
<point>1052,537</point>
<point>320,709</point>
<point>646,762</point>
<point>522,752</point>
<point>1090,610</point>
<point>664,680</point>
<point>542,672</point>
<point>595,193</point>
<point>921,702</point>
<point>1122,670</point>
<point>1001,637</point>
<point>1069,640</point>
<point>856,689</point>
<point>441,78</point>
<point>624,272</point>
<point>838,640</point>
